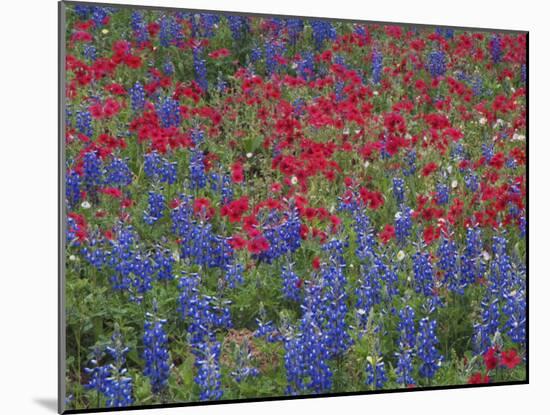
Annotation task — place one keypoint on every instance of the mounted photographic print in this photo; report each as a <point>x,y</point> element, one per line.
<point>258,207</point>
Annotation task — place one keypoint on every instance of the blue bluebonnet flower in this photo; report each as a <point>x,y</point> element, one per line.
<point>472,265</point>
<point>406,327</point>
<point>168,67</point>
<point>437,63</point>
<point>485,331</point>
<point>298,107</point>
<point>322,31</point>
<point>188,292</point>
<point>122,257</point>
<point>221,183</point>
<point>502,275</point>
<point>157,204</point>
<point>197,136</point>
<point>306,66</point>
<point>84,123</point>
<point>291,281</point>
<point>143,272</point>
<point>523,225</point>
<point>234,274</point>
<point>387,273</point>
<point>97,373</point>
<point>368,293</point>
<point>495,46</point>
<point>514,309</point>
<point>403,225</point>
<point>472,182</point>
<point>256,54</point>
<point>221,84</point>
<point>294,28</point>
<point>118,386</point>
<point>200,69</point>
<point>206,247</point>
<point>272,50</point>
<point>399,190</point>
<point>523,73</point>
<point>283,237</point>
<point>83,11</point>
<point>93,251</point>
<point>197,173</point>
<point>426,348</point>
<point>377,66</point>
<point>488,151</point>
<point>333,279</point>
<point>269,331</point>
<point>477,85</point>
<point>339,85</point>
<point>360,30</point>
<point>117,173</point>
<point>137,96</point>
<point>238,26</point>
<point>208,374</point>
<point>155,352</point>
<point>404,368</point>
<point>168,111</point>
<point>92,171</point>
<point>294,362</point>
<point>207,24</point>
<point>449,263</point>
<point>446,32</point>
<point>98,15</point>
<point>90,52</point>
<point>164,264</point>
<point>159,168</point>
<point>170,31</point>
<point>410,160</point>
<point>204,314</point>
<point>72,188</point>
<point>442,194</point>
<point>315,372</point>
<point>376,372</point>
<point>243,359</point>
<point>139,26</point>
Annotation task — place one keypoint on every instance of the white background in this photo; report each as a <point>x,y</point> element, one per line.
<point>28,207</point>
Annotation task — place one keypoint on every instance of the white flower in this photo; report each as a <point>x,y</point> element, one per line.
<point>450,169</point>
<point>249,155</point>
<point>294,180</point>
<point>483,120</point>
<point>375,93</point>
<point>105,31</point>
<point>346,131</point>
<point>86,205</point>
<point>400,255</point>
<point>486,255</point>
<point>176,256</point>
<point>454,184</point>
<point>367,164</point>
<point>72,258</point>
<point>518,137</point>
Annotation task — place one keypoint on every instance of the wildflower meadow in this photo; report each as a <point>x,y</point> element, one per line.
<point>267,206</point>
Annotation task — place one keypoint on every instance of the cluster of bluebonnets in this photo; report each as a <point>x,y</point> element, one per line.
<point>212,278</point>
